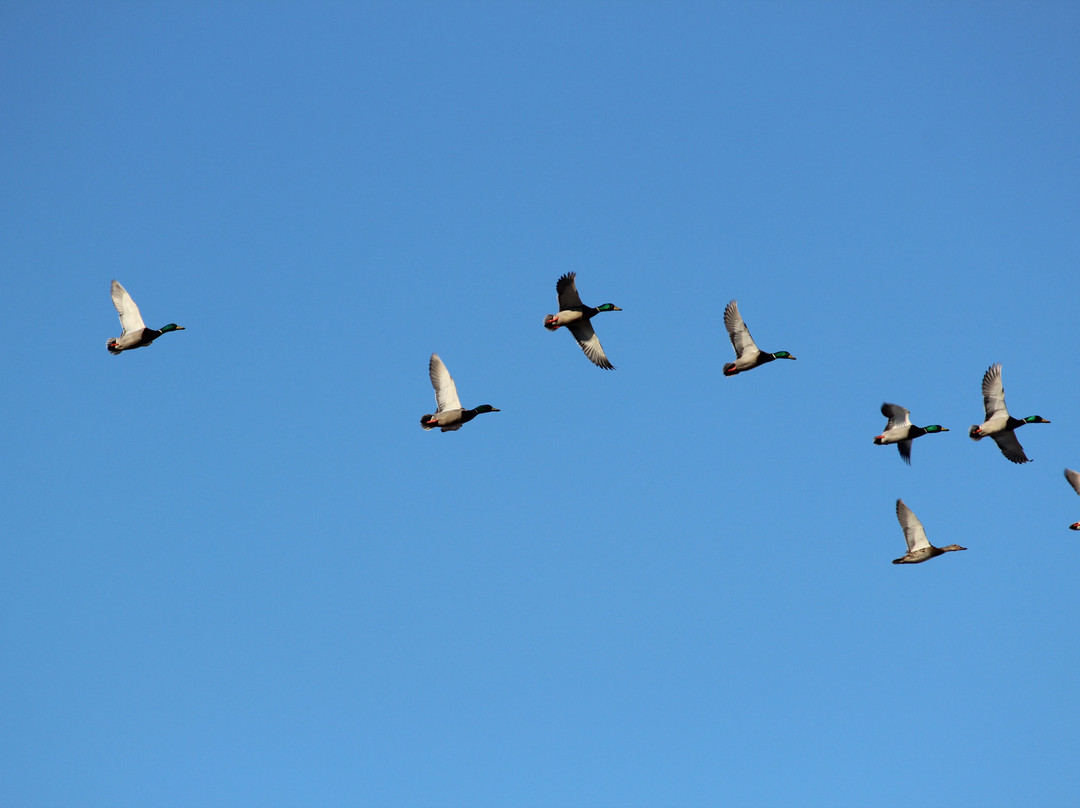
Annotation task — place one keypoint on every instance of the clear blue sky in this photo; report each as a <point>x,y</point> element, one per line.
<point>236,572</point>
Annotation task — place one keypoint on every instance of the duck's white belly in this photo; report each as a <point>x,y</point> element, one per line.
<point>894,435</point>
<point>568,316</point>
<point>132,340</point>
<point>994,425</point>
<point>449,417</point>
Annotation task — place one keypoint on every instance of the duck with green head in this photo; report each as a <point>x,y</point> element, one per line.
<point>575,315</point>
<point>999,425</point>
<point>134,333</point>
<point>747,354</point>
<point>901,431</point>
<point>450,415</point>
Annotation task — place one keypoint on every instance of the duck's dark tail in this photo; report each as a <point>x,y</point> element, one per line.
<point>549,322</point>
<point>424,421</point>
<point>111,345</point>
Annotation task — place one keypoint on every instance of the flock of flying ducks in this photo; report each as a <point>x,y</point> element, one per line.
<point>449,415</point>
<point>999,425</point>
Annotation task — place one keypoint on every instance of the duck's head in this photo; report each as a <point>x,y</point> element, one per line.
<point>975,432</point>
<point>608,307</point>
<point>782,355</point>
<point>1074,526</point>
<point>935,428</point>
<point>1035,419</point>
<point>171,327</point>
<point>952,547</point>
<point>485,408</point>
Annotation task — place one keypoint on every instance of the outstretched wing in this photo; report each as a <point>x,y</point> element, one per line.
<point>1074,479</point>
<point>994,394</point>
<point>445,389</point>
<point>897,415</point>
<point>590,343</point>
<point>1010,446</point>
<point>566,289</point>
<point>914,534</point>
<point>737,331</point>
<point>130,319</point>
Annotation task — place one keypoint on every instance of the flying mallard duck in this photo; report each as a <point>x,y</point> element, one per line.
<point>901,431</point>
<point>575,315</point>
<point>919,547</point>
<point>134,333</point>
<point>999,425</point>
<point>1074,480</point>
<point>450,415</point>
<point>747,354</point>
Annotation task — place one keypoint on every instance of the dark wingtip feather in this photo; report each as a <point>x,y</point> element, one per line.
<point>904,447</point>
<point>600,362</point>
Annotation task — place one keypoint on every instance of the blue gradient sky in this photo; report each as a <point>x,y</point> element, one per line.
<point>235,571</point>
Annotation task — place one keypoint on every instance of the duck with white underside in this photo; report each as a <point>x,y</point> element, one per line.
<point>919,548</point>
<point>901,431</point>
<point>747,354</point>
<point>999,425</point>
<point>576,316</point>
<point>450,415</point>
<point>1074,480</point>
<point>134,333</point>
